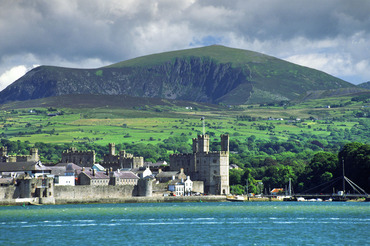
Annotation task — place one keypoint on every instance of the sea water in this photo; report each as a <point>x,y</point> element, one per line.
<point>224,223</point>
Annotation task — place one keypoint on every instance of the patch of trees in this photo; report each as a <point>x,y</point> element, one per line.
<point>305,162</point>
<point>308,173</point>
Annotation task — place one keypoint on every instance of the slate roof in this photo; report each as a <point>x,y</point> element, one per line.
<point>60,171</point>
<point>176,182</point>
<point>167,174</point>
<point>70,167</point>
<point>22,166</point>
<point>98,175</point>
<point>125,175</point>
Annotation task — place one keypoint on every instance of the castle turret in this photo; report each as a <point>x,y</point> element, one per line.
<point>224,142</point>
<point>34,152</point>
<point>195,145</point>
<point>112,149</point>
<point>3,154</point>
<point>3,151</point>
<point>203,143</point>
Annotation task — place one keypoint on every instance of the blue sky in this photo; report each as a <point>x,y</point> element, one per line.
<point>331,36</point>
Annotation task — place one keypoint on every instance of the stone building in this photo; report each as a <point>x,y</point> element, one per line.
<point>123,160</point>
<point>41,187</point>
<point>32,157</point>
<point>123,178</point>
<point>211,167</point>
<point>165,176</point>
<point>80,158</point>
<point>93,177</point>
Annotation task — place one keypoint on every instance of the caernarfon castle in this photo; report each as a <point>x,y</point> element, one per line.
<point>212,167</point>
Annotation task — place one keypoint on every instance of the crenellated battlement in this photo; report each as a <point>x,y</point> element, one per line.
<point>84,158</point>
<point>33,156</point>
<point>81,152</point>
<point>212,167</point>
<point>122,160</point>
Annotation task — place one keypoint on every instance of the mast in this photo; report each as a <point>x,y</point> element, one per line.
<point>344,179</point>
<point>246,181</point>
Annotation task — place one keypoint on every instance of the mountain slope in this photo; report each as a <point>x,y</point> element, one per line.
<point>213,74</point>
<point>365,85</point>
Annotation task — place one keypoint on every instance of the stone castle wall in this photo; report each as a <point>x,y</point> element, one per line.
<point>210,167</point>
<point>132,162</point>
<point>80,158</point>
<point>8,194</point>
<point>33,156</point>
<point>88,193</point>
<point>123,160</point>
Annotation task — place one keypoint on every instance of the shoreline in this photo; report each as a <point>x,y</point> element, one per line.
<point>56,201</point>
<point>155,199</point>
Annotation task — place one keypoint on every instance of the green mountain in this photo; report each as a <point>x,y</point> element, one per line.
<point>365,85</point>
<point>212,74</point>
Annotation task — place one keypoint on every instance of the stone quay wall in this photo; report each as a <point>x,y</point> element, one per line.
<point>99,194</point>
<point>92,194</point>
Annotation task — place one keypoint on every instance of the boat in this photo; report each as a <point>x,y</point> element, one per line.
<point>300,199</point>
<point>236,198</point>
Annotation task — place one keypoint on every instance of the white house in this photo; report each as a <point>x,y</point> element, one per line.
<point>188,186</point>
<point>176,187</point>
<point>64,180</point>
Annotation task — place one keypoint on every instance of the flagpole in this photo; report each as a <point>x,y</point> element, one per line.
<point>204,127</point>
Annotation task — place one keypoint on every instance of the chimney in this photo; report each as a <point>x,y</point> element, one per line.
<point>107,171</point>
<point>182,170</point>
<point>159,170</point>
<point>83,169</point>
<point>93,172</point>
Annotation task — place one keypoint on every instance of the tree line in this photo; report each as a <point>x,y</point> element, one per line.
<point>263,164</point>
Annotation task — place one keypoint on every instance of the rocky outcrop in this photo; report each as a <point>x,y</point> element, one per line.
<point>192,79</point>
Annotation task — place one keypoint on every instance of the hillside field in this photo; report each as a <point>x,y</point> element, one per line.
<point>154,123</point>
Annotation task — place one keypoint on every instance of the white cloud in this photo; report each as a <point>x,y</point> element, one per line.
<point>11,75</point>
<point>331,36</point>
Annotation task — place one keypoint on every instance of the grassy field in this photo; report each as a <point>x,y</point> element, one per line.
<point>153,124</point>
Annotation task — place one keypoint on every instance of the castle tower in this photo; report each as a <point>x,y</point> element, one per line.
<point>195,145</point>
<point>225,142</point>
<point>3,151</point>
<point>203,143</point>
<point>112,149</point>
<point>3,154</point>
<point>34,152</point>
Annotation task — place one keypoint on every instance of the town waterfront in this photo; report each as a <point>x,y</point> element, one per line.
<point>202,223</point>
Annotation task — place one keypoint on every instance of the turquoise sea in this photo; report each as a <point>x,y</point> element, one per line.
<point>226,223</point>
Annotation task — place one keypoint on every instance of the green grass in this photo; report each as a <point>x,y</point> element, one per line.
<point>220,54</point>
<point>102,125</point>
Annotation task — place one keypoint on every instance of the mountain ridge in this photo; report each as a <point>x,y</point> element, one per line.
<point>212,74</point>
